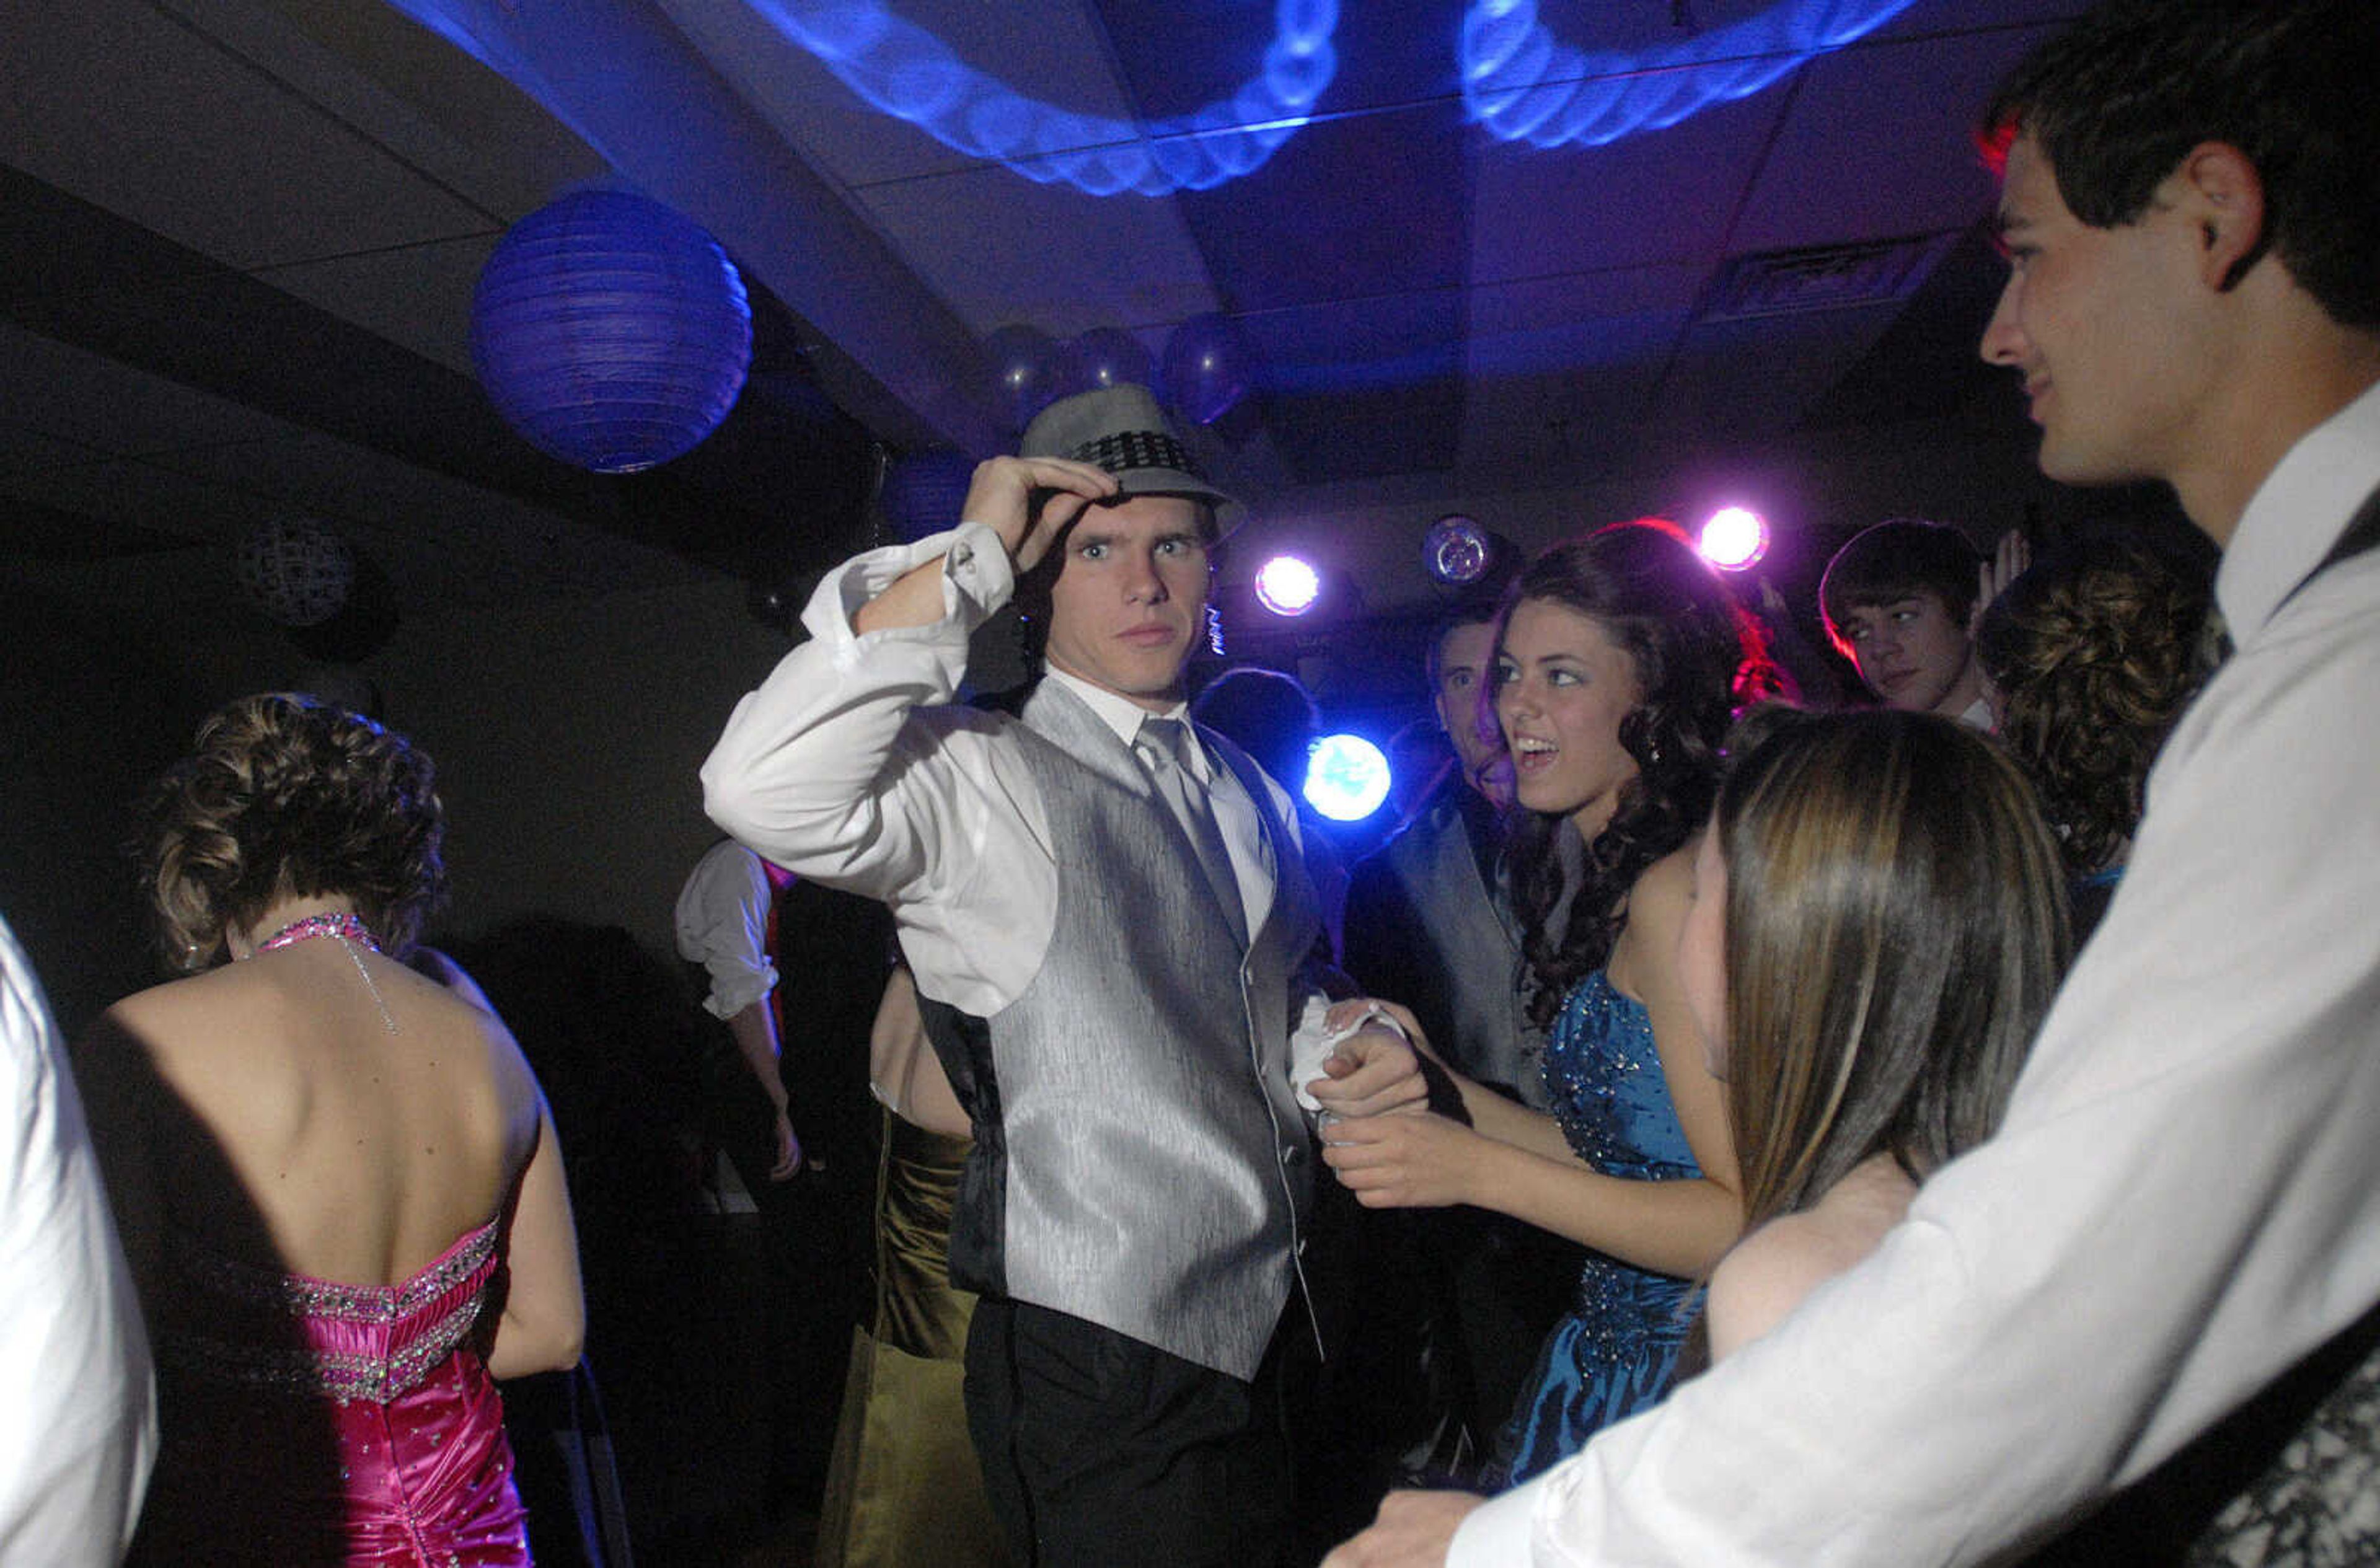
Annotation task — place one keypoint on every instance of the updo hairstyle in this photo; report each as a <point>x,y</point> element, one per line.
<point>2095,652</point>
<point>285,796</point>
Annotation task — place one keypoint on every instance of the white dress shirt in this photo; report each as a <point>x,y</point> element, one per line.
<point>722,924</point>
<point>78,1414</point>
<point>850,766</point>
<point>2185,1197</point>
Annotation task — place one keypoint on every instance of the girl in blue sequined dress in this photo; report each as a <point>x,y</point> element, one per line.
<point>1619,658</point>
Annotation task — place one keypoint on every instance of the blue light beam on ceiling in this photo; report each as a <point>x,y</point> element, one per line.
<point>907,72</point>
<point>1523,85</point>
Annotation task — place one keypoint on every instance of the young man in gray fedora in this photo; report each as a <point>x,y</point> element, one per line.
<point>1110,906</point>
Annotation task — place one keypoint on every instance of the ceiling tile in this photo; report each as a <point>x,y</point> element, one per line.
<point>1560,373</point>
<point>103,406</point>
<point>1752,379</point>
<point>1654,197</point>
<point>1059,60</point>
<point>417,297</point>
<point>1879,144</point>
<point>1978,16</point>
<point>1090,261</point>
<point>124,106</point>
<point>1373,204</point>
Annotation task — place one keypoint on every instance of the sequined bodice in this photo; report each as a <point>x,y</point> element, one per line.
<point>1612,1355</point>
<point>308,1422</point>
<point>347,1342</point>
<point>1607,1089</point>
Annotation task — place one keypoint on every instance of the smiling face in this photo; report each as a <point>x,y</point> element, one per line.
<point>1130,598</point>
<point>2090,319</point>
<point>1913,654</point>
<point>1464,654</point>
<point>1562,687</point>
<point>1702,953</point>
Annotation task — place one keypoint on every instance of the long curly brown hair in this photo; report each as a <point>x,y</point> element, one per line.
<point>1695,653</point>
<point>283,797</point>
<point>2094,654</point>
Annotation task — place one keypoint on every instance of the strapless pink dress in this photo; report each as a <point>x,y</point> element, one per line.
<point>307,1422</point>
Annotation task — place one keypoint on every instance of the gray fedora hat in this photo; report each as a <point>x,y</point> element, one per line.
<point>1120,428</point>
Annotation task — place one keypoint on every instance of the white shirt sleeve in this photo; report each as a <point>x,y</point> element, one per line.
<point>848,766</point>
<point>77,1416</point>
<point>2184,1200</point>
<point>722,924</point>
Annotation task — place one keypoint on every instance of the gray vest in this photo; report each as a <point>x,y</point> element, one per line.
<point>1468,929</point>
<point>1140,1159</point>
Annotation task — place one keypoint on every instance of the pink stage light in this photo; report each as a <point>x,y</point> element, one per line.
<point>1735,539</point>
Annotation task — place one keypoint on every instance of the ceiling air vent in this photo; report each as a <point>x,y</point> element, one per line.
<point>1824,277</point>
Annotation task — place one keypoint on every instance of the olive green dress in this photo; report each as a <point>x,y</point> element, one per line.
<point>903,1489</point>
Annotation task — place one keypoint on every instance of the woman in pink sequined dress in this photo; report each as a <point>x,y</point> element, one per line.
<point>336,1181</point>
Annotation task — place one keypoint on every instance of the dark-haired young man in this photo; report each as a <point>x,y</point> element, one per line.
<point>2182,1212</point>
<point>1110,906</point>
<point>1899,602</point>
<point>1429,920</point>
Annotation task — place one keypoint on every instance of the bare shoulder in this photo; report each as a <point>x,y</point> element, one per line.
<point>448,1005</point>
<point>463,1012</point>
<point>1645,956</point>
<point>194,1017</point>
<point>1764,1276</point>
<point>1664,888</point>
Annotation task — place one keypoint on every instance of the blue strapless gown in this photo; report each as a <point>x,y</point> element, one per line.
<point>1613,1353</point>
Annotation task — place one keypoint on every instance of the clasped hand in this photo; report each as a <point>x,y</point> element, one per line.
<point>1373,1072</point>
<point>1417,1160</point>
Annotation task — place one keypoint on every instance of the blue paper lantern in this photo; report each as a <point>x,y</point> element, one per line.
<point>610,332</point>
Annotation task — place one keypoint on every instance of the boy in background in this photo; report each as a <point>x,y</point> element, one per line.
<point>1899,603</point>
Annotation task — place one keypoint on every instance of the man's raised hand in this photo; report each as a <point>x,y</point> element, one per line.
<point>1004,493</point>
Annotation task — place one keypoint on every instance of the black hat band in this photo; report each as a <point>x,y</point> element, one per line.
<point>1131,449</point>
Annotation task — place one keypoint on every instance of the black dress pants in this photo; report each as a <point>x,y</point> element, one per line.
<point>1097,1450</point>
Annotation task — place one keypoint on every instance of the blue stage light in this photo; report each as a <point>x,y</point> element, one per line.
<point>1524,86</point>
<point>1347,778</point>
<point>906,71</point>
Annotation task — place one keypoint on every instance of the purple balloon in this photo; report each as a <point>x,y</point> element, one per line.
<point>1029,370</point>
<point>1106,356</point>
<point>1206,368</point>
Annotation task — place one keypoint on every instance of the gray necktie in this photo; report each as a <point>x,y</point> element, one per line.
<point>1161,745</point>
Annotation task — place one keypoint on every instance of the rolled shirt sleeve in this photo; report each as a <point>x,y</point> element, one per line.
<point>848,765</point>
<point>722,924</point>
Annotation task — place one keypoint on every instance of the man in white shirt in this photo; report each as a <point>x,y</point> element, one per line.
<point>78,1416</point>
<point>1112,906</point>
<point>2185,1201</point>
<point>722,924</point>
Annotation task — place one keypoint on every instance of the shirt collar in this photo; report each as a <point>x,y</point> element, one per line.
<point>1120,714</point>
<point>2296,514</point>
